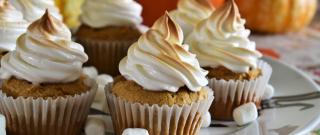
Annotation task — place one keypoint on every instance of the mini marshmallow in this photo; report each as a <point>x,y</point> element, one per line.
<point>135,131</point>
<point>245,114</point>
<point>206,120</point>
<point>100,95</point>
<point>95,125</point>
<point>104,79</point>
<point>2,125</point>
<point>100,101</point>
<point>91,72</point>
<point>268,92</point>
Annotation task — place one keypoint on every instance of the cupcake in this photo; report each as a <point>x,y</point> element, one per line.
<point>34,9</point>
<point>12,25</point>
<point>44,91</point>
<point>236,73</point>
<point>162,87</point>
<point>109,28</point>
<point>190,12</point>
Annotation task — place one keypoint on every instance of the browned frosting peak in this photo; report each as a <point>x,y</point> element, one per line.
<point>47,23</point>
<point>169,28</point>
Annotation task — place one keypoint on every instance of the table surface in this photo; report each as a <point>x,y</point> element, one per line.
<point>300,49</point>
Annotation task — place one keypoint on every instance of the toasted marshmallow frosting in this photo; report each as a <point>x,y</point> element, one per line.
<point>159,62</point>
<point>34,9</point>
<point>45,54</point>
<point>102,13</point>
<point>190,12</point>
<point>12,25</point>
<point>222,40</point>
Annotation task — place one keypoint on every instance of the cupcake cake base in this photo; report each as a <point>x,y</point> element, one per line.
<point>46,116</point>
<point>234,93</point>
<point>164,120</point>
<point>15,87</point>
<point>107,46</point>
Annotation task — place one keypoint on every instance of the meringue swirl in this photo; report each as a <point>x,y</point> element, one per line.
<point>102,13</point>
<point>12,25</point>
<point>159,62</point>
<point>33,9</point>
<point>45,54</point>
<point>190,12</point>
<point>222,40</point>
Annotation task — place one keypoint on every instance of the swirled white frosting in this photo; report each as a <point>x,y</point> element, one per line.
<point>12,25</point>
<point>222,40</point>
<point>45,54</point>
<point>190,12</point>
<point>101,13</point>
<point>33,9</point>
<point>159,62</point>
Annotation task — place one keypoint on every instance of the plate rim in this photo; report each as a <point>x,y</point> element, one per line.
<point>306,129</point>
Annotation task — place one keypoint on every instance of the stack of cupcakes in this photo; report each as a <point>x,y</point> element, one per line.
<point>109,28</point>
<point>162,87</point>
<point>12,25</point>
<point>236,73</point>
<point>44,91</point>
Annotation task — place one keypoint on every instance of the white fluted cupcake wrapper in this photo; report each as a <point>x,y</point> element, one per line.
<point>231,94</point>
<point>164,120</point>
<point>59,116</point>
<point>105,56</point>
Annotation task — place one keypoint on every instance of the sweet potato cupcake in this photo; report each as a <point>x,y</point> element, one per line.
<point>43,89</point>
<point>12,25</point>
<point>190,12</point>
<point>236,73</point>
<point>162,87</point>
<point>109,28</point>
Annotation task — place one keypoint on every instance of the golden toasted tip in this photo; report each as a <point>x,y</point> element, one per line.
<point>166,12</point>
<point>46,22</point>
<point>46,13</point>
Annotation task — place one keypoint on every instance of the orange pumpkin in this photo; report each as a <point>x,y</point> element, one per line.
<point>277,16</point>
<point>152,9</point>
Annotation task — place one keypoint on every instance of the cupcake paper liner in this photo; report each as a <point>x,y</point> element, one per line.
<point>105,56</point>
<point>50,116</point>
<point>158,120</point>
<point>231,94</point>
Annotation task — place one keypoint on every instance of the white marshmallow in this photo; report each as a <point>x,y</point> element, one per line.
<point>91,72</point>
<point>268,92</point>
<point>206,120</point>
<point>135,131</point>
<point>2,125</point>
<point>95,125</point>
<point>104,79</point>
<point>100,101</point>
<point>245,114</point>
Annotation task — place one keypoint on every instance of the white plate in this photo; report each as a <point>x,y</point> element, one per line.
<point>291,119</point>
